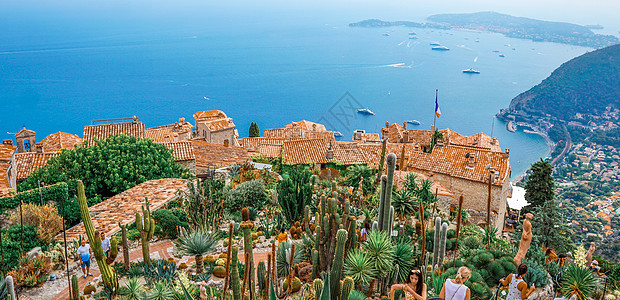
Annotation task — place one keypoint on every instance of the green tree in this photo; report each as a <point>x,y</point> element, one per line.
<point>355,173</point>
<point>109,166</point>
<point>294,193</point>
<point>254,131</point>
<point>539,185</point>
<point>548,227</point>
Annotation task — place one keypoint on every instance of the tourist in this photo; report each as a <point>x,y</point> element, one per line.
<point>561,259</point>
<point>517,287</point>
<point>595,268</point>
<point>282,237</point>
<point>364,231</point>
<point>414,288</point>
<point>551,256</point>
<point>455,289</point>
<point>105,244</point>
<point>84,252</point>
<point>569,258</point>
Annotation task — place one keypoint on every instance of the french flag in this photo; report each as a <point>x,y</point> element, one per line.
<point>437,110</point>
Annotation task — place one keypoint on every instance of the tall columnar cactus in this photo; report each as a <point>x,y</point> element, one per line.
<point>391,223</point>
<point>352,234</point>
<point>113,251</point>
<point>261,273</point>
<point>110,281</point>
<point>318,288</point>
<point>442,244</point>
<point>75,289</point>
<point>436,241</point>
<point>10,287</point>
<point>246,226</point>
<point>315,264</point>
<point>375,226</point>
<point>347,287</point>
<point>328,222</point>
<point>146,226</point>
<point>386,194</point>
<point>382,160</point>
<point>231,226</point>
<point>235,283</point>
<point>307,218</point>
<point>125,245</point>
<point>336,272</point>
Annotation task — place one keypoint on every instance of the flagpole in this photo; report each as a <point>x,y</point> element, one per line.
<point>435,109</point>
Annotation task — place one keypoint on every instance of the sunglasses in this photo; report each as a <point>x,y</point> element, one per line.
<point>415,271</point>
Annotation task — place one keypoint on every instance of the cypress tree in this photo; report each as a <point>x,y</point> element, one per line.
<point>254,131</point>
<point>539,185</point>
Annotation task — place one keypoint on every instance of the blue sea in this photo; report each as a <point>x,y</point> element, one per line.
<point>60,69</point>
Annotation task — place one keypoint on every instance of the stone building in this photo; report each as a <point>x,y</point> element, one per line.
<point>7,172</point>
<point>212,156</point>
<point>179,131</point>
<point>215,127</point>
<point>26,141</point>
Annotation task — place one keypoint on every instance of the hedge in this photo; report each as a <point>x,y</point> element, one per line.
<point>58,192</point>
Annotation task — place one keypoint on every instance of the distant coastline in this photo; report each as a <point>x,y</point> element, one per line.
<point>510,26</point>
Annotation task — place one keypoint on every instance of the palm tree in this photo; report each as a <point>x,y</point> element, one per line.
<point>197,242</point>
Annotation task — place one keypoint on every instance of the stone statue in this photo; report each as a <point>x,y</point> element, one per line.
<point>589,254</point>
<point>526,239</point>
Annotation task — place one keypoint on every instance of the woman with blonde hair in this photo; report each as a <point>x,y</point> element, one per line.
<point>455,289</point>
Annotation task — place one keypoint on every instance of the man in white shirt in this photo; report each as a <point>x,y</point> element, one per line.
<point>105,244</point>
<point>83,253</point>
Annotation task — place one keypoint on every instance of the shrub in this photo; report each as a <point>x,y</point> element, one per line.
<point>31,271</point>
<point>248,194</point>
<point>11,243</point>
<point>44,218</point>
<point>536,274</point>
<point>169,221</point>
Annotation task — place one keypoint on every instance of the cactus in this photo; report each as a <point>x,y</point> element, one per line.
<point>382,160</point>
<point>315,264</point>
<point>306,226</point>
<point>113,251</point>
<point>246,226</point>
<point>442,244</point>
<point>110,281</point>
<point>391,224</point>
<point>318,288</point>
<point>436,241</point>
<point>228,253</point>
<point>125,245</point>
<point>261,273</point>
<point>375,226</point>
<point>146,226</point>
<point>336,272</point>
<point>386,194</point>
<point>10,287</point>
<point>329,222</point>
<point>347,287</point>
<point>234,274</point>
<point>352,234</point>
<point>75,289</point>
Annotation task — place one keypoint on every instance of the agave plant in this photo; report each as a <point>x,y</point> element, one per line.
<point>357,295</point>
<point>283,257</point>
<point>133,290</point>
<point>161,291</point>
<point>3,290</point>
<point>490,235</point>
<point>579,281</point>
<point>359,266</point>
<point>381,251</point>
<point>197,243</point>
<point>403,203</point>
<point>404,257</point>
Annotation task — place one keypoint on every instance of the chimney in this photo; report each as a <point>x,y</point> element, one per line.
<point>330,152</point>
<point>313,127</point>
<point>181,120</point>
<point>493,141</point>
<point>471,159</point>
<point>406,136</point>
<point>7,142</point>
<point>135,119</point>
<point>405,124</point>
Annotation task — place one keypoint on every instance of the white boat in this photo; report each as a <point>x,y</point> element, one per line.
<point>502,55</point>
<point>411,33</point>
<point>386,34</point>
<point>435,44</point>
<point>365,111</point>
<point>414,122</point>
<point>440,48</point>
<point>471,71</point>
<point>337,133</point>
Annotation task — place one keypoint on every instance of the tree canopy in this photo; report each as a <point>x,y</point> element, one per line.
<point>539,185</point>
<point>109,166</point>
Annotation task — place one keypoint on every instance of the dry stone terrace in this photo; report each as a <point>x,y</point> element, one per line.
<point>122,207</point>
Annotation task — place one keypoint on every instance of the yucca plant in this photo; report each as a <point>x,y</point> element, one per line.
<point>490,235</point>
<point>404,257</point>
<point>133,290</point>
<point>197,243</point>
<point>161,291</point>
<point>403,203</point>
<point>381,251</point>
<point>3,289</point>
<point>579,281</point>
<point>357,295</point>
<point>359,266</point>
<point>283,257</point>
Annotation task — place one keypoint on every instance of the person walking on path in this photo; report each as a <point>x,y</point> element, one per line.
<point>455,289</point>
<point>414,288</point>
<point>84,253</point>
<point>517,287</point>
<point>105,244</point>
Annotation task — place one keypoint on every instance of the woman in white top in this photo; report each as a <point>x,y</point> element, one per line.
<point>454,289</point>
<point>517,287</point>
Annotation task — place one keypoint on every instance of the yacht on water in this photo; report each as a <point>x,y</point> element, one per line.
<point>337,134</point>
<point>471,71</point>
<point>440,48</point>
<point>414,122</point>
<point>386,34</point>
<point>365,111</point>
<point>502,55</point>
<point>435,44</point>
<point>411,33</point>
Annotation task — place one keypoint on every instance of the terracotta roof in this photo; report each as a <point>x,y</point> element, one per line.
<point>6,152</point>
<point>24,131</point>
<point>219,124</point>
<point>303,151</point>
<point>267,150</point>
<point>450,160</point>
<point>367,137</point>
<point>103,131</point>
<point>214,155</point>
<point>299,130</point>
<point>275,133</point>
<point>27,162</point>
<point>60,140</point>
<point>307,126</point>
<point>348,153</point>
<point>253,144</point>
<point>400,176</point>
<point>209,115</point>
<point>396,133</point>
<point>182,150</point>
<point>170,132</point>
<point>122,207</point>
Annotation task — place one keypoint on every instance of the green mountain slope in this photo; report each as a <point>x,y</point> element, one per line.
<point>586,84</point>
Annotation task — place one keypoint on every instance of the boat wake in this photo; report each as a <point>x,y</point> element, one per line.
<point>401,43</point>
<point>464,47</point>
<point>399,65</point>
<point>476,59</point>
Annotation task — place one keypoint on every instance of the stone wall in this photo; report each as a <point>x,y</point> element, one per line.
<point>188,164</point>
<point>218,137</point>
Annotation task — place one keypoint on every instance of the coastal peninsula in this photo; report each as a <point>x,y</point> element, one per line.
<point>510,26</point>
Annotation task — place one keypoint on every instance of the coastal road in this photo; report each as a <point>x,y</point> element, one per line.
<point>566,149</point>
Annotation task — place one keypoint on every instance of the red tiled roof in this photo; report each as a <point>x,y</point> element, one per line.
<point>27,162</point>
<point>168,133</point>
<point>60,140</point>
<point>214,155</point>
<point>219,124</point>
<point>122,207</point>
<point>307,126</point>
<point>450,160</point>
<point>253,144</point>
<point>209,115</point>
<point>181,150</point>
<point>303,151</point>
<point>6,152</point>
<point>103,131</point>
<point>267,150</point>
<point>274,133</point>
<point>348,153</point>
<point>400,176</point>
